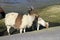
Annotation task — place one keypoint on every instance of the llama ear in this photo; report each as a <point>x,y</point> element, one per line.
<point>32,7</point>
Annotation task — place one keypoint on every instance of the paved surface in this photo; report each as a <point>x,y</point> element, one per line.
<point>44,34</point>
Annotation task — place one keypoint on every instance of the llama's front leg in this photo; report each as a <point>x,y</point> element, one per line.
<point>8,27</point>
<point>21,30</point>
<point>24,30</point>
<point>38,26</point>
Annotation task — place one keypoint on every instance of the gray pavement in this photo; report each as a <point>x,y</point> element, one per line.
<point>44,34</point>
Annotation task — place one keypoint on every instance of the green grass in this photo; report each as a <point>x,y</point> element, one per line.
<point>51,13</point>
<point>2,25</point>
<point>1,22</point>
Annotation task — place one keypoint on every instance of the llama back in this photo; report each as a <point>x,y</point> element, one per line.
<point>10,18</point>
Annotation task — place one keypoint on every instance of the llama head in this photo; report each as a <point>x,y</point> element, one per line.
<point>33,12</point>
<point>46,24</point>
<point>43,22</point>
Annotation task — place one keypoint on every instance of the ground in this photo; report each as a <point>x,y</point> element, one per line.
<point>44,34</point>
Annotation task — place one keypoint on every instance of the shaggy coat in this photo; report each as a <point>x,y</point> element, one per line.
<point>19,21</point>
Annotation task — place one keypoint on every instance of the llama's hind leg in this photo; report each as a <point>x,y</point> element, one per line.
<point>8,28</point>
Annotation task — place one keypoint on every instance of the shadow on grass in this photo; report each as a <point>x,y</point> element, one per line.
<point>51,24</point>
<point>3,30</point>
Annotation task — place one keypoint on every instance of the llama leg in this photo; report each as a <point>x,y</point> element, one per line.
<point>38,27</point>
<point>24,30</point>
<point>21,30</point>
<point>8,27</point>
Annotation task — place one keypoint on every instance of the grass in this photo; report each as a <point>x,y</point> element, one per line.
<point>2,26</point>
<point>51,13</point>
